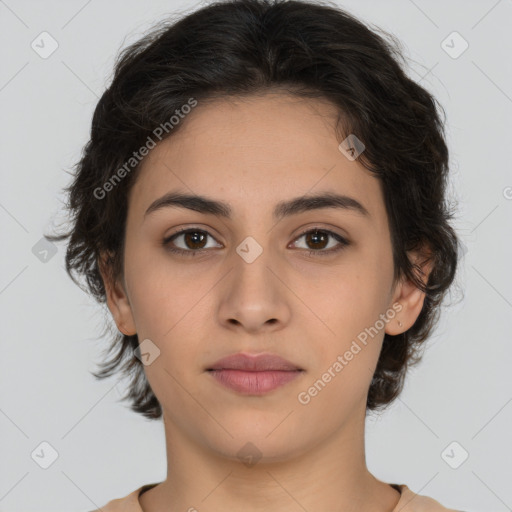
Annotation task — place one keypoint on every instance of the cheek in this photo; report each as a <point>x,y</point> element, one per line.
<point>349,300</point>
<point>346,354</point>
<point>170,307</point>
<point>160,293</point>
<point>348,304</point>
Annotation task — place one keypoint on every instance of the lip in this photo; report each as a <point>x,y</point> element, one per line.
<point>254,374</point>
<point>253,363</point>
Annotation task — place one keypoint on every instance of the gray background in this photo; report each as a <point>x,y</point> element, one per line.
<point>460,392</point>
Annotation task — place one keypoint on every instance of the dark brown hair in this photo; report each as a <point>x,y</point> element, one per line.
<point>242,47</point>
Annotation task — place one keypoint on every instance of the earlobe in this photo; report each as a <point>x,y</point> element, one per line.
<point>117,299</point>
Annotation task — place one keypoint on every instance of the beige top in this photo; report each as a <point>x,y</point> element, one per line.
<point>409,502</point>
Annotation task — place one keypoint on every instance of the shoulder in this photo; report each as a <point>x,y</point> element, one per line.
<point>129,503</point>
<point>412,502</point>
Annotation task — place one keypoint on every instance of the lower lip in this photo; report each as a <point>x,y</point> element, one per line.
<point>254,383</point>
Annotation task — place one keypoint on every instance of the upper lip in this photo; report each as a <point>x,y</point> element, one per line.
<point>254,363</point>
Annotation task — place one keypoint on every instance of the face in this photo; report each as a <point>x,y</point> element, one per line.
<point>255,282</point>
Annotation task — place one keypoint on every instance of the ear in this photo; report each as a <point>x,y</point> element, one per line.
<point>409,296</point>
<point>117,298</point>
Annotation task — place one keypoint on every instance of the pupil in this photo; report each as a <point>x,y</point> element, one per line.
<point>193,235</point>
<point>315,235</point>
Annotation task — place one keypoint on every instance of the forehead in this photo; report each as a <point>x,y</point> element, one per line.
<point>253,152</point>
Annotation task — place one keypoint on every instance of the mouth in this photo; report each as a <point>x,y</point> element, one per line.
<point>254,374</point>
<point>254,363</point>
<point>254,382</point>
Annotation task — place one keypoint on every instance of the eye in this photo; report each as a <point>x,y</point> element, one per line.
<point>193,238</point>
<point>318,237</point>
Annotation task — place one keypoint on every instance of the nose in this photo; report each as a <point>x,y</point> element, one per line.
<point>254,296</point>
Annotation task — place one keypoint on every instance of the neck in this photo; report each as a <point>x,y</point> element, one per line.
<point>331,475</point>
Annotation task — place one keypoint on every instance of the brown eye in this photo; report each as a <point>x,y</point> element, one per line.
<point>194,241</point>
<point>318,239</point>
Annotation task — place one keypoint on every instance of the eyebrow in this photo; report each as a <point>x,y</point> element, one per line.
<point>282,209</point>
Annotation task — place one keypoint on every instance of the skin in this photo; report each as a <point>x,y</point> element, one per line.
<point>252,154</point>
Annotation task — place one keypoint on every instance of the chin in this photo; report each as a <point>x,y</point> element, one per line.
<point>251,447</point>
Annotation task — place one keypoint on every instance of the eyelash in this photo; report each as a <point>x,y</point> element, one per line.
<point>319,252</point>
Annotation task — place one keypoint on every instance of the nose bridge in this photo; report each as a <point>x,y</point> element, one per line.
<point>252,260</point>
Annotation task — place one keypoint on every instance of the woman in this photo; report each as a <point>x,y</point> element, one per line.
<point>262,207</point>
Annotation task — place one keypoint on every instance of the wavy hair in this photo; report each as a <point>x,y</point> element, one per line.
<point>243,47</point>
